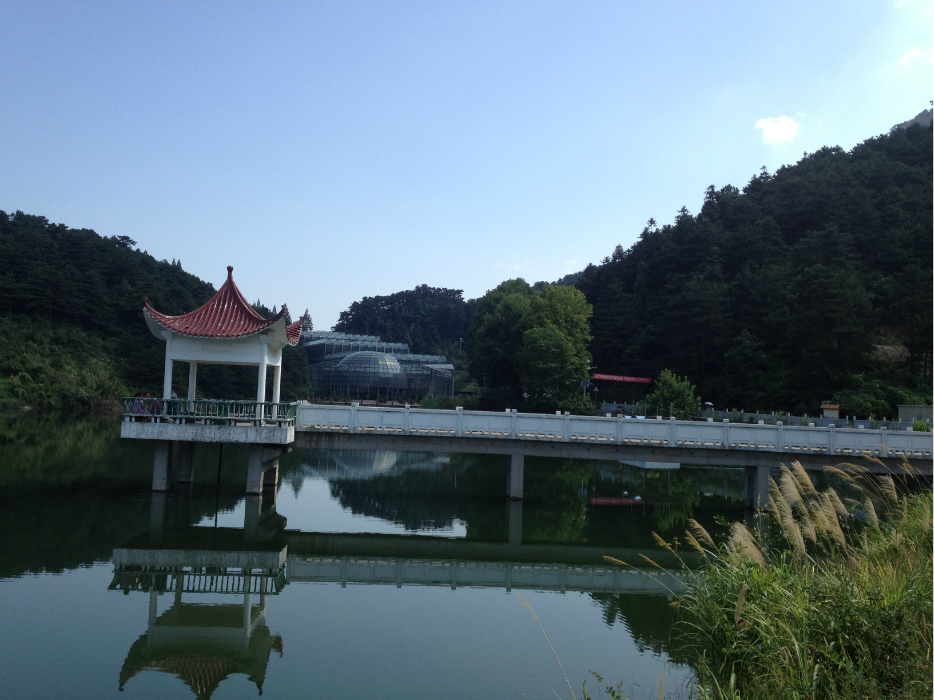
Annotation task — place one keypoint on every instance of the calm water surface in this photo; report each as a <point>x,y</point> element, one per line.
<point>365,574</point>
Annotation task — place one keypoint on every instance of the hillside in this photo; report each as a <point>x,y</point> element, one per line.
<point>809,284</point>
<point>71,327</point>
<point>431,320</point>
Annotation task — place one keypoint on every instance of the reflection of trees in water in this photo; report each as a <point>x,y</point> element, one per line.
<point>424,499</point>
<point>556,499</point>
<point>72,490</point>
<point>648,618</point>
<point>672,496</point>
<point>367,464</point>
<point>58,531</point>
<point>402,503</point>
<point>557,496</point>
<point>557,506</point>
<point>49,450</point>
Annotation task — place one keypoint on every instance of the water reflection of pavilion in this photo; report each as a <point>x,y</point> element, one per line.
<point>203,644</point>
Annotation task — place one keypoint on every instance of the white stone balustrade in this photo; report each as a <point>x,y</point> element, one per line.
<point>840,442</point>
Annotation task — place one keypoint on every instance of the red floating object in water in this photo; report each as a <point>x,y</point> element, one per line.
<point>615,501</point>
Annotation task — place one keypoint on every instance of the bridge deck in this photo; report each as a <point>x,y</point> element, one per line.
<point>589,436</point>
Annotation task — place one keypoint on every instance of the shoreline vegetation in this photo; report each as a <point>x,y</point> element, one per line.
<point>826,595</point>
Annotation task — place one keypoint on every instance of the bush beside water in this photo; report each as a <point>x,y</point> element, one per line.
<point>824,598</point>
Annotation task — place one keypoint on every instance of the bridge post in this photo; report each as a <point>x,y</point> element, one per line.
<point>514,483</point>
<point>254,470</point>
<point>515,522</point>
<point>252,507</point>
<point>757,487</point>
<point>186,462</point>
<point>160,465</point>
<point>271,475</point>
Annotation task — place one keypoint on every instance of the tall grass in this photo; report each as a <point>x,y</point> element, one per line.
<point>824,597</point>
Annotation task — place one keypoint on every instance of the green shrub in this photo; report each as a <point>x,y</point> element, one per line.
<point>919,426</point>
<point>449,402</point>
<point>674,395</point>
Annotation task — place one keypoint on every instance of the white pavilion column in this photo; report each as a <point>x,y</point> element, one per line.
<point>167,378</point>
<point>192,379</point>
<point>276,379</point>
<point>261,379</point>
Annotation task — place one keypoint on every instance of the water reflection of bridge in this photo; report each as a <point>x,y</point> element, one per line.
<point>203,644</point>
<point>456,573</point>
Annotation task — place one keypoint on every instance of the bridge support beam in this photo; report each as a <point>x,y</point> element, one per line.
<point>186,462</point>
<point>160,465</point>
<point>515,481</point>
<point>757,487</point>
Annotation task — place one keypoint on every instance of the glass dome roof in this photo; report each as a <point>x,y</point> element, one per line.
<point>366,369</point>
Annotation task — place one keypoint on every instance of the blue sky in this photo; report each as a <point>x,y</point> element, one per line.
<point>331,151</point>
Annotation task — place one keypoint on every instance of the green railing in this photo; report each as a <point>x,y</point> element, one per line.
<point>208,411</point>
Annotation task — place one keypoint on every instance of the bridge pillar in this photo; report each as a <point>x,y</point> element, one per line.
<point>252,508</point>
<point>515,522</point>
<point>757,487</point>
<point>160,465</point>
<point>254,470</point>
<point>186,462</point>
<point>515,482</point>
<point>271,474</point>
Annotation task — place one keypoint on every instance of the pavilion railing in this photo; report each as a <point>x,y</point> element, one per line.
<point>208,411</point>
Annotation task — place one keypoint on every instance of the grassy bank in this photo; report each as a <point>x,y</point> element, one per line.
<point>824,597</point>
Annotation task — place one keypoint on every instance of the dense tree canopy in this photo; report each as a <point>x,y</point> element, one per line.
<point>530,346</point>
<point>431,320</point>
<point>810,284</point>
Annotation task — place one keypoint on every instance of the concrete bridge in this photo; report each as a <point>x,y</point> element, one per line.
<point>272,429</point>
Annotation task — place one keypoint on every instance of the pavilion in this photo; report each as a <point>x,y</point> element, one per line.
<point>226,330</point>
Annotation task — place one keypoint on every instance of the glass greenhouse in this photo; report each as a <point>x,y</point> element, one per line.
<point>365,367</point>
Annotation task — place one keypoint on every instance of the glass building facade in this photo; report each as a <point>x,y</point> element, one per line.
<point>364,367</point>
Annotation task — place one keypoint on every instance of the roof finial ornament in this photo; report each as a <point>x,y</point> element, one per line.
<point>230,272</point>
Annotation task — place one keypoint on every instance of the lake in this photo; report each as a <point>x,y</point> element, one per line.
<point>364,574</point>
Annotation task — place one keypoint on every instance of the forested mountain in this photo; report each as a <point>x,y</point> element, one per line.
<point>810,284</point>
<point>71,324</point>
<point>431,320</point>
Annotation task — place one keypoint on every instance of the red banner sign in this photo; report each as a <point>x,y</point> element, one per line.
<point>622,378</point>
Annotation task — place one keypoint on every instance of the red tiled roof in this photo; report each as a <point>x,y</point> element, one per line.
<point>226,315</point>
<point>294,332</point>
